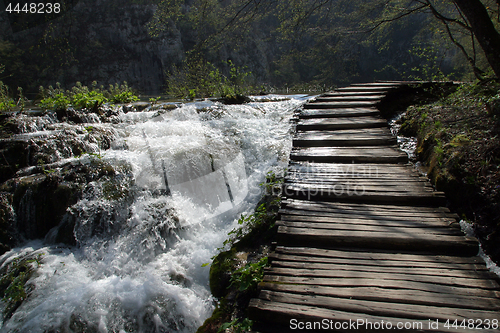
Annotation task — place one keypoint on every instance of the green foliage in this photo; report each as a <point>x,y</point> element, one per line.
<point>88,99</point>
<point>250,275</point>
<point>81,96</point>
<point>264,215</point>
<point>6,102</point>
<point>428,68</point>
<point>57,101</point>
<point>198,78</point>
<point>13,282</point>
<point>121,93</point>
<point>238,326</point>
<point>154,100</point>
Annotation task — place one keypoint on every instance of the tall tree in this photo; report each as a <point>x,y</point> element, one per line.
<point>458,16</point>
<point>484,30</point>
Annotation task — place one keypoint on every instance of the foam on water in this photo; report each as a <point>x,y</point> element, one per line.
<point>138,263</point>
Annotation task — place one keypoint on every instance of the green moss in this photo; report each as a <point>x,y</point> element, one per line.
<point>13,283</point>
<point>235,273</point>
<point>458,141</point>
<point>220,272</point>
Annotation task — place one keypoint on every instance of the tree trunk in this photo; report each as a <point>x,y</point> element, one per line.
<point>484,30</point>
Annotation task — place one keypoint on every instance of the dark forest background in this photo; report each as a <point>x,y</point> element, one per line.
<point>282,43</point>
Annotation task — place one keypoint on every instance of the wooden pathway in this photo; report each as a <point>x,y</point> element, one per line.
<point>364,243</point>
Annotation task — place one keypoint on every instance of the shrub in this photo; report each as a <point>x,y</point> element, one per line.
<point>13,282</point>
<point>6,103</point>
<point>81,96</point>
<point>121,93</point>
<point>198,78</point>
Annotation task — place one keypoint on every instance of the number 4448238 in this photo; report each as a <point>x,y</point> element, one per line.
<point>477,324</point>
<point>34,8</point>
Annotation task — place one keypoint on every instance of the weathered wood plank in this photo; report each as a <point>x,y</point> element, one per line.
<point>374,183</point>
<point>332,141</point>
<point>349,155</point>
<point>278,317</point>
<point>381,264</point>
<point>432,271</point>
<point>347,98</point>
<point>340,123</point>
<point>362,207</point>
<point>371,89</point>
<point>339,105</point>
<point>358,170</point>
<point>387,284</point>
<point>363,194</point>
<point>383,257</point>
<point>462,282</point>
<point>345,138</point>
<point>391,295</point>
<point>351,93</point>
<point>346,132</point>
<point>413,229</point>
<point>410,311</point>
<point>368,219</point>
<point>338,112</point>
<point>380,240</point>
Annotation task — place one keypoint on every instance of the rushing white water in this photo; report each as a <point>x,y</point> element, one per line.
<point>138,263</point>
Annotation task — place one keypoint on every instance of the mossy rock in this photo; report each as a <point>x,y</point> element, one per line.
<point>238,99</point>
<point>41,201</point>
<point>220,272</point>
<point>212,324</point>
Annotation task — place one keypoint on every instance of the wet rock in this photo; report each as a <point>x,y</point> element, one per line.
<point>238,99</point>
<point>7,221</point>
<point>14,154</point>
<point>40,202</point>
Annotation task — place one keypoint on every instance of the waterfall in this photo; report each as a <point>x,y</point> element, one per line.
<point>181,179</point>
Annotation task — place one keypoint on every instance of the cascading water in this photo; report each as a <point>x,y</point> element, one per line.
<point>181,178</point>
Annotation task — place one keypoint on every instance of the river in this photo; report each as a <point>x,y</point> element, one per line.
<point>184,177</point>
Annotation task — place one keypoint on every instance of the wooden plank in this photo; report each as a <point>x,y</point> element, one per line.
<point>386,284</point>
<point>410,311</point>
<point>362,194</point>
<point>381,264</point>
<point>347,98</point>
<point>362,132</point>
<point>442,272</point>
<point>373,183</point>
<point>391,295</point>
<point>332,141</point>
<point>352,93</point>
<point>344,138</point>
<point>356,174</point>
<point>370,89</point>
<point>463,282</point>
<point>367,186</point>
<point>413,229</point>
<point>358,169</point>
<point>380,240</point>
<point>300,178</point>
<point>349,155</point>
<point>338,105</point>
<point>372,219</point>
<point>362,207</point>
<point>274,314</point>
<point>312,112</point>
<point>376,217</point>
<point>385,258</point>
<point>340,123</point>
<point>353,169</point>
